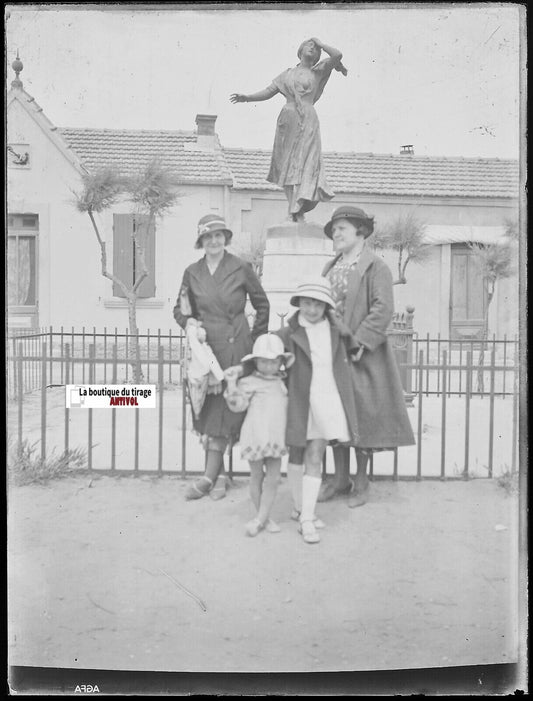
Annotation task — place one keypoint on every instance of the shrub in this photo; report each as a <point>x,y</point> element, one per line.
<point>27,467</point>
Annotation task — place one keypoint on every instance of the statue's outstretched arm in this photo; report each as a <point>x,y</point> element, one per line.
<point>260,96</point>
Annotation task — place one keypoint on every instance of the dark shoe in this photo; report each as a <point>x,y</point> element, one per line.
<point>328,491</point>
<point>358,497</point>
<point>199,489</point>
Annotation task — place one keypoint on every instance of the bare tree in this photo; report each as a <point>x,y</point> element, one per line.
<point>405,235</point>
<point>496,262</point>
<point>252,251</point>
<point>152,193</point>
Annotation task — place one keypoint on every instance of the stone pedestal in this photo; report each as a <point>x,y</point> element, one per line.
<point>293,252</point>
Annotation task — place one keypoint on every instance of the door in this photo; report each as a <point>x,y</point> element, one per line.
<point>22,283</point>
<point>468,295</point>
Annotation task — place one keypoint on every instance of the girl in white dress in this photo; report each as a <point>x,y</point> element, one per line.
<point>321,395</point>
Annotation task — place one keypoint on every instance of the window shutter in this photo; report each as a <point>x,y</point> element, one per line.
<point>147,288</point>
<point>122,251</point>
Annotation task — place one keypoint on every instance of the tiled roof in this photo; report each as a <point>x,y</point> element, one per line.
<point>130,150</point>
<point>246,169</point>
<point>362,173</point>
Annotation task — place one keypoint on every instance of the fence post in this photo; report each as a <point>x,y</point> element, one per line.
<point>161,390</point>
<point>408,389</point>
<point>67,410</point>
<point>136,463</point>
<point>491,407</point>
<point>468,392</point>
<point>420,395</point>
<point>114,414</point>
<point>43,403</point>
<point>515,408</point>
<point>443,417</point>
<point>184,419</point>
<point>51,354</point>
<point>90,413</point>
<point>20,396</point>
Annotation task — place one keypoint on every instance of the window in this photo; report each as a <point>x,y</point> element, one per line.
<point>22,260</point>
<point>125,259</point>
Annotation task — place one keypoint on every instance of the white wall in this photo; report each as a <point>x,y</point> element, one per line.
<point>71,289</point>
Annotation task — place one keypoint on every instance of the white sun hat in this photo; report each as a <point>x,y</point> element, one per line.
<point>316,287</point>
<point>269,346</point>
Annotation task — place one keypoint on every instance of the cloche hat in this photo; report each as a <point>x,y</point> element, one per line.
<point>269,346</point>
<point>316,287</point>
<point>353,214</point>
<point>210,223</point>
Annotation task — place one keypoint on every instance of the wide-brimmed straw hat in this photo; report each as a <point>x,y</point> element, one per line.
<point>317,287</point>
<point>270,347</point>
<point>353,214</point>
<point>210,223</point>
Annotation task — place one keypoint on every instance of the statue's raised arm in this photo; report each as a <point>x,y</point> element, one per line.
<point>296,164</point>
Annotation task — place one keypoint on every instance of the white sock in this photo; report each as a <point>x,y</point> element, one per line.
<point>294,475</point>
<point>310,489</point>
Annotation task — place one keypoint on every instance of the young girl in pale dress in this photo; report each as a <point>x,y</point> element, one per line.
<point>263,395</point>
<point>321,395</point>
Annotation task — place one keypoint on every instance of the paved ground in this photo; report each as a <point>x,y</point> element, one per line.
<point>421,576</point>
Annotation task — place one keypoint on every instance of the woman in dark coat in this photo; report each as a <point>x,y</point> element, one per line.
<point>362,288</point>
<point>212,297</point>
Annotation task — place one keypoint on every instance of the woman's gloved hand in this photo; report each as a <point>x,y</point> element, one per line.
<point>356,354</point>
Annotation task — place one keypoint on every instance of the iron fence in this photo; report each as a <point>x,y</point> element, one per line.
<point>162,442</point>
<point>71,347</point>
<point>505,351</point>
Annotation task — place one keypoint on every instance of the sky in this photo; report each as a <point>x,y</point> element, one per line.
<point>444,78</point>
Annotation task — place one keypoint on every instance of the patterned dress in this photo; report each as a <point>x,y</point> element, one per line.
<point>264,398</point>
<point>338,277</point>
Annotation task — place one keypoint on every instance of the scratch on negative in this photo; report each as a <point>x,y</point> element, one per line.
<point>98,605</point>
<point>189,593</point>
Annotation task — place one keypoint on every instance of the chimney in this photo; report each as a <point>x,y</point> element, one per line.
<point>205,131</point>
<point>407,150</point>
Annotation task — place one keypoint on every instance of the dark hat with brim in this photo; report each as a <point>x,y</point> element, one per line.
<point>354,215</point>
<point>209,224</point>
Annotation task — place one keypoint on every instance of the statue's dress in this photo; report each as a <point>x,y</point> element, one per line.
<point>296,162</point>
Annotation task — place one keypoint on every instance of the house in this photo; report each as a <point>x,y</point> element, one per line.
<point>54,259</point>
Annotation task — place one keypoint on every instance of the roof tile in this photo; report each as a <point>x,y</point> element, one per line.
<point>387,174</point>
<point>246,169</point>
<point>129,150</point>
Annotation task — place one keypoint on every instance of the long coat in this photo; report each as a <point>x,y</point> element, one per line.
<point>296,341</point>
<point>382,416</point>
<point>219,301</point>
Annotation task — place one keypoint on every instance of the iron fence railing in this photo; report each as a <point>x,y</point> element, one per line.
<point>505,351</point>
<point>161,441</point>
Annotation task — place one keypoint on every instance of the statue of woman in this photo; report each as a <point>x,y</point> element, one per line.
<point>296,164</point>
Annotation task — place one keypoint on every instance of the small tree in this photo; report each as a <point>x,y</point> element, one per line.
<point>405,235</point>
<point>252,251</point>
<point>152,193</point>
<point>496,263</point>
